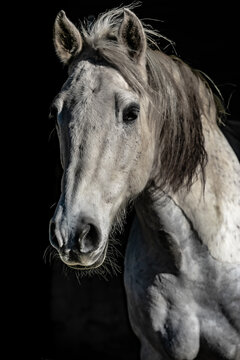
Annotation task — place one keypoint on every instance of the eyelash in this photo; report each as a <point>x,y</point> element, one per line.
<point>130,114</point>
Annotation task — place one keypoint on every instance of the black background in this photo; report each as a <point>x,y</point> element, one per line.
<point>60,317</point>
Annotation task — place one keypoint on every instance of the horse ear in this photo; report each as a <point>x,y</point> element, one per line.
<point>132,35</point>
<point>67,39</point>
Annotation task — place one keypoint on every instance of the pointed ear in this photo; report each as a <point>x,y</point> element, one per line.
<point>132,35</point>
<point>67,39</point>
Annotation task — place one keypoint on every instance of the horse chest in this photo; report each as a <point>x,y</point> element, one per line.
<point>179,313</point>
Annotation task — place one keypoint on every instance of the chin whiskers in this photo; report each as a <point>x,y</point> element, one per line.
<point>109,268</point>
<point>50,255</point>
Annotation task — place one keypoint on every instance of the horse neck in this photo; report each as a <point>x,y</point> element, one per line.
<point>212,208</point>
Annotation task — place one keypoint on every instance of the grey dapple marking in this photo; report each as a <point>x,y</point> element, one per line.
<point>134,123</point>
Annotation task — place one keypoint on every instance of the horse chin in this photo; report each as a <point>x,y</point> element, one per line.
<point>84,264</point>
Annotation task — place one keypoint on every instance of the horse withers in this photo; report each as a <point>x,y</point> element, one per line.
<point>136,125</point>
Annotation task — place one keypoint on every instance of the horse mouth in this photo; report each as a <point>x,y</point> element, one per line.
<point>80,266</point>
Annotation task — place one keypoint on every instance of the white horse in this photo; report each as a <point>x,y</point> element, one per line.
<point>137,125</point>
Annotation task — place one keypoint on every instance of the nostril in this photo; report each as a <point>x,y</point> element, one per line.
<point>52,235</point>
<point>88,238</point>
<point>93,236</point>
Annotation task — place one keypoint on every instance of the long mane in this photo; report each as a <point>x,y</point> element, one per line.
<point>178,97</point>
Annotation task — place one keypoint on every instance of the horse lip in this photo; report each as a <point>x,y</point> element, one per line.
<point>79,266</point>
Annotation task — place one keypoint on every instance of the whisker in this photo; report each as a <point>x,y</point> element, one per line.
<point>51,134</point>
<point>50,254</point>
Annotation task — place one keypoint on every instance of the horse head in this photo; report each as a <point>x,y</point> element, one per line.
<point>105,140</point>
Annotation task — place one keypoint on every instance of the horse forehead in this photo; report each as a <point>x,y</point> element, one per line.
<point>90,86</point>
<point>91,78</point>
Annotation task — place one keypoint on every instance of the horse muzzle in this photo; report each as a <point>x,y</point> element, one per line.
<point>80,245</point>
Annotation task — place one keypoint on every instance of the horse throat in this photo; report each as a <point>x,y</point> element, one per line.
<point>167,233</point>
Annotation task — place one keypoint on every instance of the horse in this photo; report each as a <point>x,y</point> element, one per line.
<point>137,126</point>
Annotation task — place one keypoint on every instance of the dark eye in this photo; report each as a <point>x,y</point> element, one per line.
<point>130,114</point>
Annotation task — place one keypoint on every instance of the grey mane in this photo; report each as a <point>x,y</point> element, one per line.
<point>176,106</point>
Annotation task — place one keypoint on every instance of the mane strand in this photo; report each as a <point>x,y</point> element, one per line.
<point>178,117</point>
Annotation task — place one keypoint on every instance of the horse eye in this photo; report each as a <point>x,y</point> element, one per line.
<point>130,114</point>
